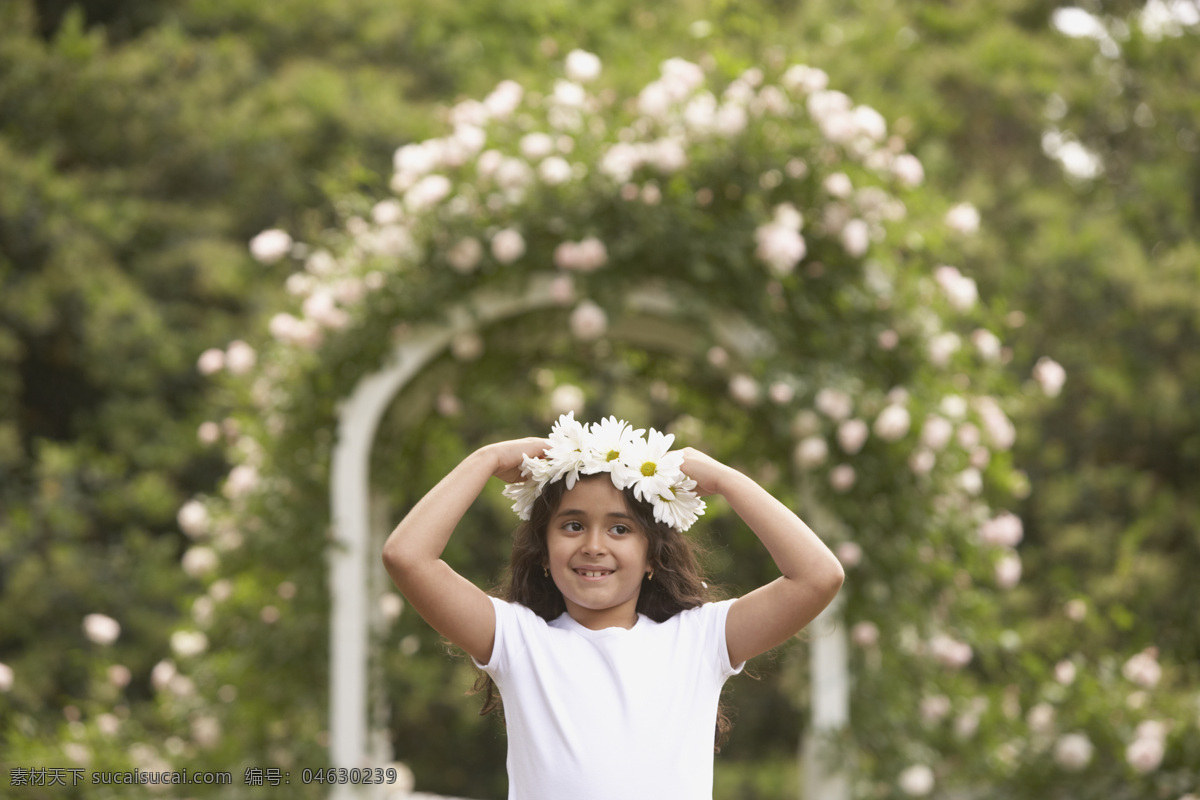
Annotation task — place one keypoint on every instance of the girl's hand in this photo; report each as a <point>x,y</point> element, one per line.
<point>508,456</point>
<point>706,471</point>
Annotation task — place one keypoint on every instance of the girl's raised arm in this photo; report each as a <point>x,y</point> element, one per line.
<point>451,604</point>
<point>812,575</point>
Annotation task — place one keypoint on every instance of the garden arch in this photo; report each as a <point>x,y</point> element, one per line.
<point>351,558</point>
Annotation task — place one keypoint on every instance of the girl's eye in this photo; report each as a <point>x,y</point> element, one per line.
<point>573,526</point>
<point>622,529</point>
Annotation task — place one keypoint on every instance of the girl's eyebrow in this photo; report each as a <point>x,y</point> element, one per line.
<point>579,512</point>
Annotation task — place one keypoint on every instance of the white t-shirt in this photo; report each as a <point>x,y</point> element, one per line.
<point>608,714</point>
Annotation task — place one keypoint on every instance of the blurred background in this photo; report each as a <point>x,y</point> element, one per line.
<point>143,145</point>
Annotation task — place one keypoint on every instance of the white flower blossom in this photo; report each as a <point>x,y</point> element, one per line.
<point>1004,530</point>
<point>555,171</point>
<point>987,343</point>
<point>842,478</point>
<point>892,423</point>
<point>959,289</point>
<point>779,246</point>
<point>730,120</point>
<point>936,432</point>
<point>570,95</point>
<point>193,518</point>
<point>582,66</point>
<point>567,452</point>
<point>852,435</point>
<point>611,441</point>
<point>508,245</point>
<point>856,237</point>
<point>1050,376</point>
<point>240,357</point>
<point>1145,753</point>
<point>650,468</point>
<point>871,123</point>
<point>101,629</point>
<point>838,185</point>
<point>908,170</point>
<point>804,79</point>
<point>935,708</point>
<point>916,781</point>
<point>811,452</point>
<point>679,506</point>
<point>199,561</point>
<point>865,634</point>
<point>205,730</point>
<point>583,256</point>
<point>834,403</point>
<point>243,479</point>
<point>270,246</point>
<point>464,255</point>
<point>1008,571</point>
<point>536,146</point>
<point>186,644</point>
<point>588,321</point>
<point>1041,718</point>
<point>7,677</point>
<point>781,393</point>
<point>523,495</point>
<point>744,390</point>
<point>849,554</point>
<point>950,652</point>
<point>1064,672</point>
<point>211,361</point>
<point>504,99</point>
<point>322,309</point>
<point>427,192</point>
<point>1143,669</point>
<point>943,346</point>
<point>996,425</point>
<point>963,218</point>
<point>1073,751</point>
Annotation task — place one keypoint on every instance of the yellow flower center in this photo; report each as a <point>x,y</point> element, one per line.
<point>649,468</point>
<point>613,455</point>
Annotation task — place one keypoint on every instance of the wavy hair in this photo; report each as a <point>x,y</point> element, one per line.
<point>678,583</point>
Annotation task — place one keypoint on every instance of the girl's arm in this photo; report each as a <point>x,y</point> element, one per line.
<point>451,604</point>
<point>812,575</point>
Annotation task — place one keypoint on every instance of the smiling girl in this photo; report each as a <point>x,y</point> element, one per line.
<point>606,652</point>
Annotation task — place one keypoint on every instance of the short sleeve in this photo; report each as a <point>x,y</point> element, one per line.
<point>505,621</point>
<point>718,613</point>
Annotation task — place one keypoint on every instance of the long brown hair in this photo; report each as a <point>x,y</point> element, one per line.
<point>678,583</point>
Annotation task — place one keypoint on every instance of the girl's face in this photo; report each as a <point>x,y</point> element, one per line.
<point>597,555</point>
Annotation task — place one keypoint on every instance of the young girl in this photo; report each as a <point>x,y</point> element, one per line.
<point>609,662</point>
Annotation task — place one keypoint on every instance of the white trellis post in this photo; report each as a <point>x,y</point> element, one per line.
<point>830,676</point>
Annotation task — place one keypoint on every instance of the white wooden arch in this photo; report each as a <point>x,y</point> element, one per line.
<point>352,561</point>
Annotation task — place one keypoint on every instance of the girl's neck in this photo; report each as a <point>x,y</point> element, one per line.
<point>598,620</point>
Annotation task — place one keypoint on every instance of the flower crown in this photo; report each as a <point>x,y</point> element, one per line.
<point>641,463</point>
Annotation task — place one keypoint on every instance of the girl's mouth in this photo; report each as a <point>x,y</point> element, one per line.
<point>593,573</point>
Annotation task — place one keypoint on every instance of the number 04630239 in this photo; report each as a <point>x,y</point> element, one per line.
<point>341,775</point>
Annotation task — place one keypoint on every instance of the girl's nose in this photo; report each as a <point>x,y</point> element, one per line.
<point>594,542</point>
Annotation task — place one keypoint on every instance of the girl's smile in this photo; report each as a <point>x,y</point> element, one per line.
<point>597,555</point>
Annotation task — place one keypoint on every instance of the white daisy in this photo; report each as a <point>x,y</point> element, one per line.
<point>609,441</point>
<point>523,495</point>
<point>650,468</point>
<point>679,506</point>
<point>568,446</point>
